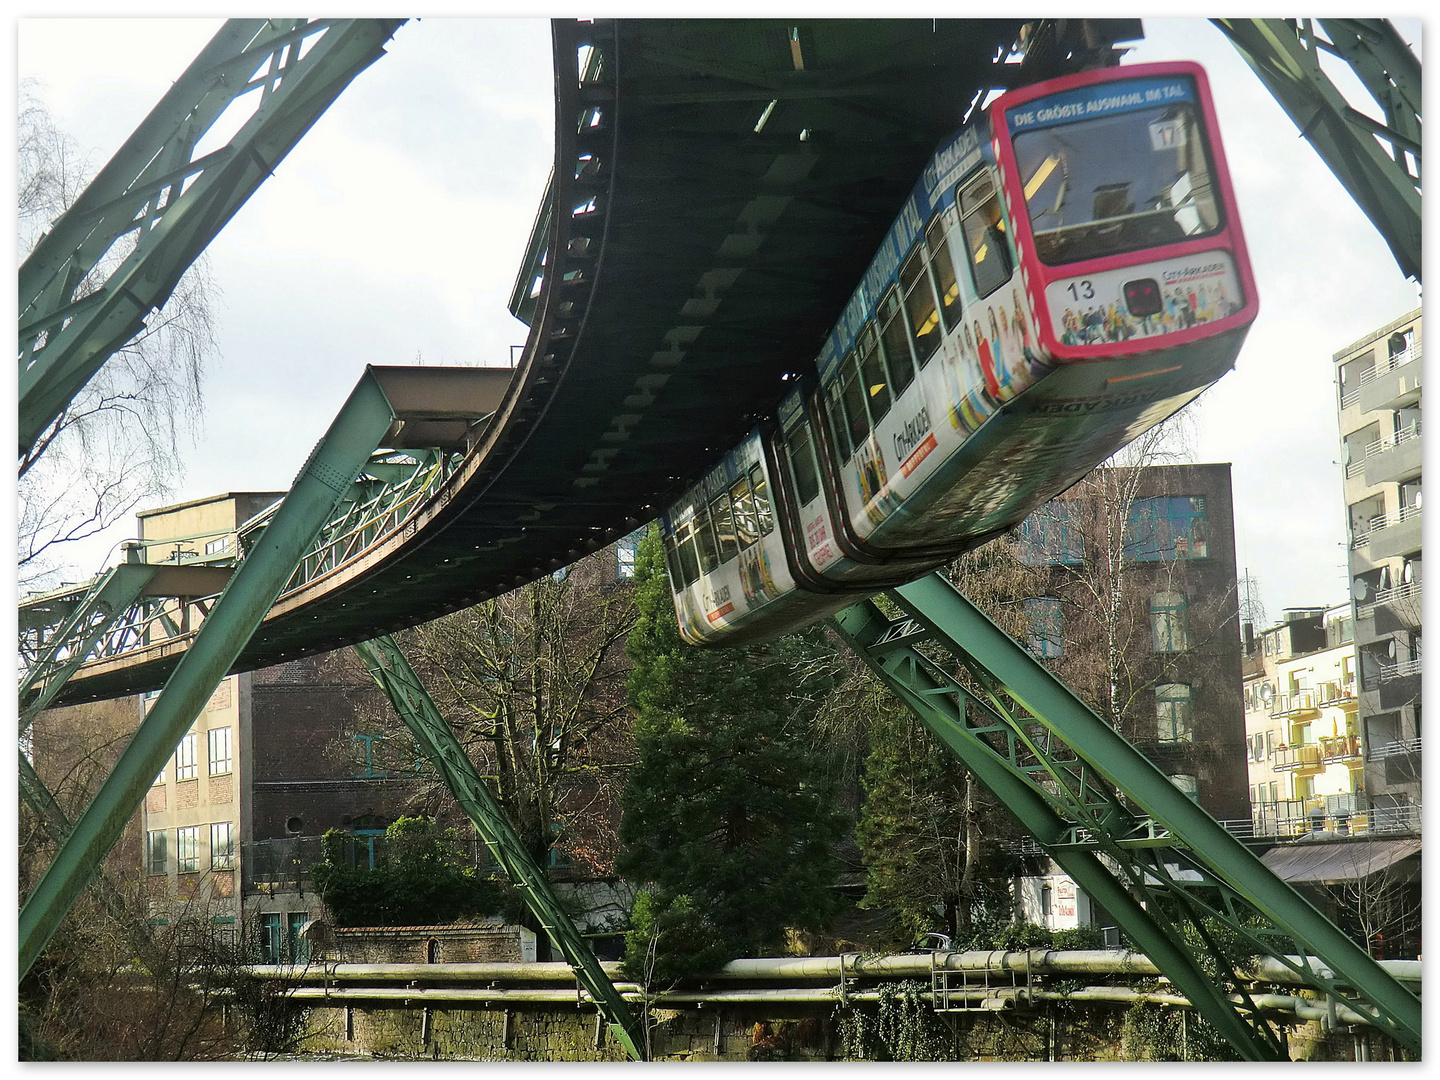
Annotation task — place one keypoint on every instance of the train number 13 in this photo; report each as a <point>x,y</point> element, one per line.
<point>1081,290</point>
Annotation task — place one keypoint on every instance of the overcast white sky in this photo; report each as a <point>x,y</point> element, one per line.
<point>396,226</point>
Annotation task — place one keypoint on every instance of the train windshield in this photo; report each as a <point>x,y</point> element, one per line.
<point>1117,183</point>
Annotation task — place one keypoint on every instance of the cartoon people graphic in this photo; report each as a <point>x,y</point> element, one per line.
<point>987,362</point>
<point>1022,333</point>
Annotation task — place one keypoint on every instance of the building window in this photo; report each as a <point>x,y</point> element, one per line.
<point>160,779</point>
<point>1049,537</point>
<point>187,849</point>
<point>1167,527</point>
<point>1169,630</point>
<point>1046,638</point>
<point>185,765</point>
<point>1187,784</point>
<point>222,846</point>
<point>297,947</point>
<point>219,544</point>
<point>625,554</point>
<point>156,856</point>
<point>1172,713</point>
<point>269,929</point>
<point>220,759</point>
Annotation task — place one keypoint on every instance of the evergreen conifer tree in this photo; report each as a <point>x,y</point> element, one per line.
<point>729,823</point>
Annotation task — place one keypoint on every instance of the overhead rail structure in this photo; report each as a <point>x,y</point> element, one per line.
<point>1377,162</point>
<point>692,260</point>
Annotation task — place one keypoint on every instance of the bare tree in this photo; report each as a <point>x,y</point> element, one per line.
<point>120,440</point>
<point>533,684</point>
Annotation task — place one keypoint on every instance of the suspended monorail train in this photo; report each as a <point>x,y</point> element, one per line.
<point>1067,272</point>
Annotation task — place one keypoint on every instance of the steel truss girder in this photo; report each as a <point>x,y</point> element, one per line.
<point>390,669</point>
<point>1110,818</point>
<point>1285,54</point>
<point>322,483</point>
<point>170,201</point>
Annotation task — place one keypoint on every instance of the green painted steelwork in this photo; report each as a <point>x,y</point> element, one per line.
<point>1082,790</point>
<point>1285,54</point>
<point>155,194</point>
<point>69,645</point>
<point>390,669</point>
<point>320,486</point>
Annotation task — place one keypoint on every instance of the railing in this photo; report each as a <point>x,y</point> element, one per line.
<point>1340,747</point>
<point>1348,814</point>
<point>1389,442</point>
<point>1300,701</point>
<point>1399,671</point>
<point>1383,521</point>
<point>1390,596</point>
<point>1299,756</point>
<point>1390,363</point>
<point>1335,693</point>
<point>1394,749</point>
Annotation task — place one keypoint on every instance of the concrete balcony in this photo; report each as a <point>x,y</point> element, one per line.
<point>1342,748</point>
<point>1393,458</point>
<point>1302,758</point>
<point>1391,535</point>
<point>1392,383</point>
<point>1296,704</point>
<point>1394,609</point>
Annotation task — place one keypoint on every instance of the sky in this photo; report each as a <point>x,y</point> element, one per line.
<point>393,232</point>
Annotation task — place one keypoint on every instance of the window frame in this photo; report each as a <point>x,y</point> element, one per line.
<point>1177,725</point>
<point>187,765</point>
<point>228,760</point>
<point>1169,622</point>
<point>222,845</point>
<point>187,849</point>
<point>157,853</point>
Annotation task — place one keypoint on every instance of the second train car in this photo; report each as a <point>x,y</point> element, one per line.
<point>1067,272</point>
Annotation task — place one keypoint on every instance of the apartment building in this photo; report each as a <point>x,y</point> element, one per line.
<point>1379,409</point>
<point>1302,736</point>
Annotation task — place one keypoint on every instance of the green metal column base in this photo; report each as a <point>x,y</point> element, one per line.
<point>324,480</point>
<point>1079,787</point>
<point>397,678</point>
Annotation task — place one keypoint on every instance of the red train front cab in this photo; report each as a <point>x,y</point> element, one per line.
<point>1123,215</point>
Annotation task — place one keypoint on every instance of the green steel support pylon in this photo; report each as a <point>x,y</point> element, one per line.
<point>1162,866</point>
<point>156,195</point>
<point>323,482</point>
<point>415,707</point>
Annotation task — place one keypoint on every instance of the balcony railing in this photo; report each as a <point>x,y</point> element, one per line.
<point>1393,748</point>
<point>1335,693</point>
<point>1300,701</point>
<point>1389,442</point>
<point>1399,594</point>
<point>1382,521</point>
<point>1399,671</point>
<point>1390,363</point>
<point>1344,814</point>
<point>1340,748</point>
<point>1301,757</point>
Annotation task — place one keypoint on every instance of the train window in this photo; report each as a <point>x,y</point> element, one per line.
<point>942,267</point>
<point>838,428</point>
<point>746,530</point>
<point>983,226</point>
<point>897,348</point>
<point>802,463</point>
<point>1115,183</point>
<point>760,490</point>
<point>854,398</point>
<point>705,540</point>
<point>672,565</point>
<point>724,520</point>
<point>872,375</point>
<point>920,306</point>
<point>685,554</point>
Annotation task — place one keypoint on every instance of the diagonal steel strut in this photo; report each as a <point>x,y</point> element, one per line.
<point>1109,817</point>
<point>415,707</point>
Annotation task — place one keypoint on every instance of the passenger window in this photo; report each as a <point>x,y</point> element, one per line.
<point>897,349</point>
<point>672,565</point>
<point>802,463</point>
<point>920,307</point>
<point>705,538</point>
<point>872,375</point>
<point>760,492</point>
<point>745,528</point>
<point>854,398</point>
<point>685,550</point>
<point>838,427</point>
<point>942,267</point>
<point>983,226</point>
<point>724,520</point>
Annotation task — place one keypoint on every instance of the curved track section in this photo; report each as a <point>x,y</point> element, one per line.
<point>694,261</point>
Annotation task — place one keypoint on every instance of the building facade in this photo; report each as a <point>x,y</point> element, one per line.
<point>1378,404</point>
<point>1302,737</point>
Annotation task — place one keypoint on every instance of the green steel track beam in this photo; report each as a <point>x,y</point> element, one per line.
<point>322,483</point>
<point>390,669</point>
<point>1285,54</point>
<point>1081,789</point>
<point>156,195</point>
